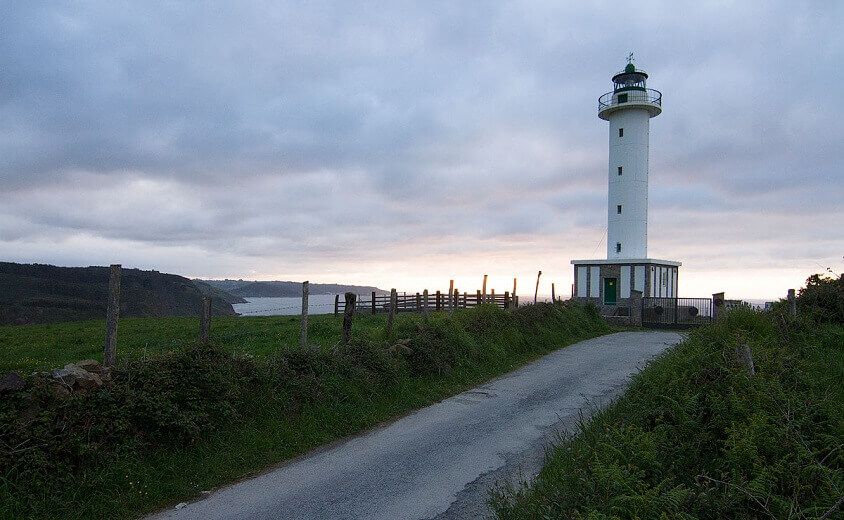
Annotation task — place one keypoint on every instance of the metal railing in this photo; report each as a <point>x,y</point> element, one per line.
<point>648,96</point>
<point>677,312</point>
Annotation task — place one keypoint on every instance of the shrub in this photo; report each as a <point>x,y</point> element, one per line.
<point>487,321</point>
<point>174,399</point>
<point>438,345</point>
<point>696,437</point>
<point>823,298</point>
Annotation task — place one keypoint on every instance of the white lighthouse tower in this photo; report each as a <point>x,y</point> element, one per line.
<point>628,109</point>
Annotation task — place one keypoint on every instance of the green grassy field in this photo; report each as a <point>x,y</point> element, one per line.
<point>179,419</point>
<point>26,348</point>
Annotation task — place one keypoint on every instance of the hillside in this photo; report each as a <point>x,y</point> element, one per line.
<point>36,293</point>
<point>216,292</point>
<point>279,289</point>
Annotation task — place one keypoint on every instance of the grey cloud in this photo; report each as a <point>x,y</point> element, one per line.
<point>273,129</point>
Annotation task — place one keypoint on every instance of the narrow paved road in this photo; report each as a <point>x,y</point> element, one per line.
<point>440,461</point>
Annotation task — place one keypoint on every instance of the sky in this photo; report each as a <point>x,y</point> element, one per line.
<point>403,144</point>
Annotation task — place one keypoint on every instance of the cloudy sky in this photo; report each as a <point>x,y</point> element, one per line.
<point>403,144</point>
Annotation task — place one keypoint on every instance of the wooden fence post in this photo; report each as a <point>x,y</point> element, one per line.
<point>425,304</point>
<point>451,295</point>
<point>536,292</point>
<point>348,315</point>
<point>394,301</point>
<point>465,298</point>
<point>112,316</point>
<point>478,299</point>
<point>553,293</point>
<point>492,297</point>
<point>439,301</point>
<point>418,302</point>
<point>336,304</point>
<point>205,321</point>
<point>792,303</point>
<point>303,334</point>
<point>506,300</point>
<point>373,303</point>
<point>484,289</point>
<point>515,300</point>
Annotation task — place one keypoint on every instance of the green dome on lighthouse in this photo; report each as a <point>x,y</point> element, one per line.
<point>630,68</point>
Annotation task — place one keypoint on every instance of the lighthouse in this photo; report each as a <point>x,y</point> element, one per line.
<point>627,270</point>
<point>628,109</point>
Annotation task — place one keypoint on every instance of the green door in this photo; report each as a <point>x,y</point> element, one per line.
<point>610,293</point>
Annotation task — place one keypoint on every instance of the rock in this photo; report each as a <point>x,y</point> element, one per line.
<point>11,382</point>
<point>91,365</point>
<point>95,367</point>
<point>181,505</point>
<point>64,376</point>
<point>84,380</point>
<point>73,377</point>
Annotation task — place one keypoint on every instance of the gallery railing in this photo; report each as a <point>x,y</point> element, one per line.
<point>628,97</point>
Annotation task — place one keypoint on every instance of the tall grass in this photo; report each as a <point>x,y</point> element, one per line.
<point>186,420</point>
<point>696,436</point>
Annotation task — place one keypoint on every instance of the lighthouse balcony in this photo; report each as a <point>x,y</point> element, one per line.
<point>649,99</point>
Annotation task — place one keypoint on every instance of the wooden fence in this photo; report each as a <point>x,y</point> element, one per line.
<point>419,302</point>
<point>423,302</point>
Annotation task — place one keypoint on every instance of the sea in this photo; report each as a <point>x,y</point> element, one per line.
<point>317,304</point>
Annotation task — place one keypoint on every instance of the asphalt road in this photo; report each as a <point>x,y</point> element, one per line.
<point>440,462</point>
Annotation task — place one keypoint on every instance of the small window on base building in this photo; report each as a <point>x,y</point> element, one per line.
<point>618,246</point>
<point>621,132</point>
<point>618,209</point>
<point>619,170</point>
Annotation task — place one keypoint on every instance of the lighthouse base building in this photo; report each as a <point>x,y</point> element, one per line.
<point>627,274</point>
<point>611,282</point>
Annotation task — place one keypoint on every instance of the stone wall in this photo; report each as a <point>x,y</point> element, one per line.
<point>627,311</point>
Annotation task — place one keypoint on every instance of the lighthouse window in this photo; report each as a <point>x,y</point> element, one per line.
<point>618,247</point>
<point>619,170</point>
<point>618,209</point>
<point>621,132</point>
<point>622,98</point>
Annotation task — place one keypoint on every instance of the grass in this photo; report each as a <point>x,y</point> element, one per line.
<point>26,348</point>
<point>696,437</point>
<point>177,423</point>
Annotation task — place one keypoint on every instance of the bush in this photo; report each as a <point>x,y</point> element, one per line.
<point>435,346</point>
<point>487,321</point>
<point>175,399</point>
<point>823,298</point>
<point>696,437</point>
